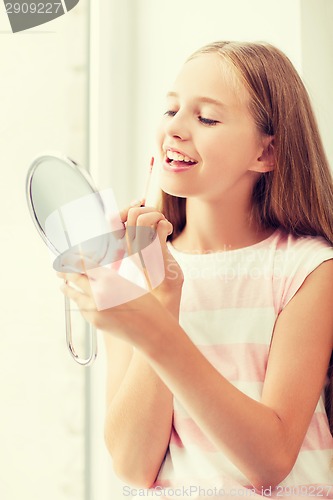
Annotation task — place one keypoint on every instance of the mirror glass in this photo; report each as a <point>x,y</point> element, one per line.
<point>80,225</point>
<point>64,203</point>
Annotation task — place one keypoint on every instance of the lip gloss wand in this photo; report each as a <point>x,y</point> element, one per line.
<point>145,272</point>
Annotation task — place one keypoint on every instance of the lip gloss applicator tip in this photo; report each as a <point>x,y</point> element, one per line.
<point>151,165</point>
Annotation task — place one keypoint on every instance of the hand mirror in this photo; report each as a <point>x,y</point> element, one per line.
<point>53,184</point>
<point>82,228</point>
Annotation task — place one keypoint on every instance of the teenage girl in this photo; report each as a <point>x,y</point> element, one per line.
<point>221,372</point>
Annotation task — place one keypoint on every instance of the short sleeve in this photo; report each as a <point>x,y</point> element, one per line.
<point>300,257</point>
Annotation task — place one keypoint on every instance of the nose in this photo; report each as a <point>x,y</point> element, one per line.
<point>177,126</point>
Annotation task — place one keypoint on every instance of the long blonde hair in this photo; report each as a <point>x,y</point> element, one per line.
<point>298,194</point>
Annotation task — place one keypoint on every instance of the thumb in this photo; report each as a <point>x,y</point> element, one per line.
<point>164,229</point>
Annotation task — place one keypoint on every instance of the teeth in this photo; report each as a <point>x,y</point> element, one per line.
<point>172,155</point>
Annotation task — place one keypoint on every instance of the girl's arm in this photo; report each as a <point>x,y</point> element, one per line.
<point>139,414</point>
<point>263,438</point>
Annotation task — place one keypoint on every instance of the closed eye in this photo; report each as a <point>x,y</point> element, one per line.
<point>170,113</point>
<point>207,121</point>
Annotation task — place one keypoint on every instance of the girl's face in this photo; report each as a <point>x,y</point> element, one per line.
<point>208,142</point>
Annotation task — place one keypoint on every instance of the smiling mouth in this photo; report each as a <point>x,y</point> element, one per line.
<point>178,159</point>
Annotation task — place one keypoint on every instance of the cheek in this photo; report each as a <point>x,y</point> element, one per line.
<point>216,150</point>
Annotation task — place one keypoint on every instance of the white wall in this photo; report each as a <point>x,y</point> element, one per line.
<point>317,63</point>
<point>43,107</point>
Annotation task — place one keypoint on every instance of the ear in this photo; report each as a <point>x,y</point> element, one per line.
<point>266,161</point>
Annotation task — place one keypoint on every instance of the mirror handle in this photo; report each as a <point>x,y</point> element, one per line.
<point>92,339</point>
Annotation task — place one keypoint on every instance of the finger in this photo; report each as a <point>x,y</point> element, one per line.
<point>136,218</point>
<point>83,301</point>
<point>80,281</point>
<point>149,219</point>
<point>164,229</point>
<point>134,212</point>
<point>134,204</point>
<point>117,220</point>
<point>70,292</point>
<point>77,262</point>
<point>145,230</point>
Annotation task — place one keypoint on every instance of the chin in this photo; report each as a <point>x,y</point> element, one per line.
<point>176,189</point>
<point>175,192</point>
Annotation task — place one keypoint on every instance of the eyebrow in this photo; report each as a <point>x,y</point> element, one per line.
<point>203,99</point>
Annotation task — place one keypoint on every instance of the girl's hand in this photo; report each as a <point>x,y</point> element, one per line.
<point>169,291</point>
<point>109,301</point>
<point>128,320</point>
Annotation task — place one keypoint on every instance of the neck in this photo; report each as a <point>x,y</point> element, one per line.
<point>218,226</point>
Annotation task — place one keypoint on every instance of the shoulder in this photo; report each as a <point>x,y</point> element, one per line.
<point>303,247</point>
<point>320,282</point>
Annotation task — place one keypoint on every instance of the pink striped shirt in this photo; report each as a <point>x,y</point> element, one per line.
<point>229,306</point>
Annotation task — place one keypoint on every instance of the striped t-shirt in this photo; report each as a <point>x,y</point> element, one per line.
<point>229,306</point>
